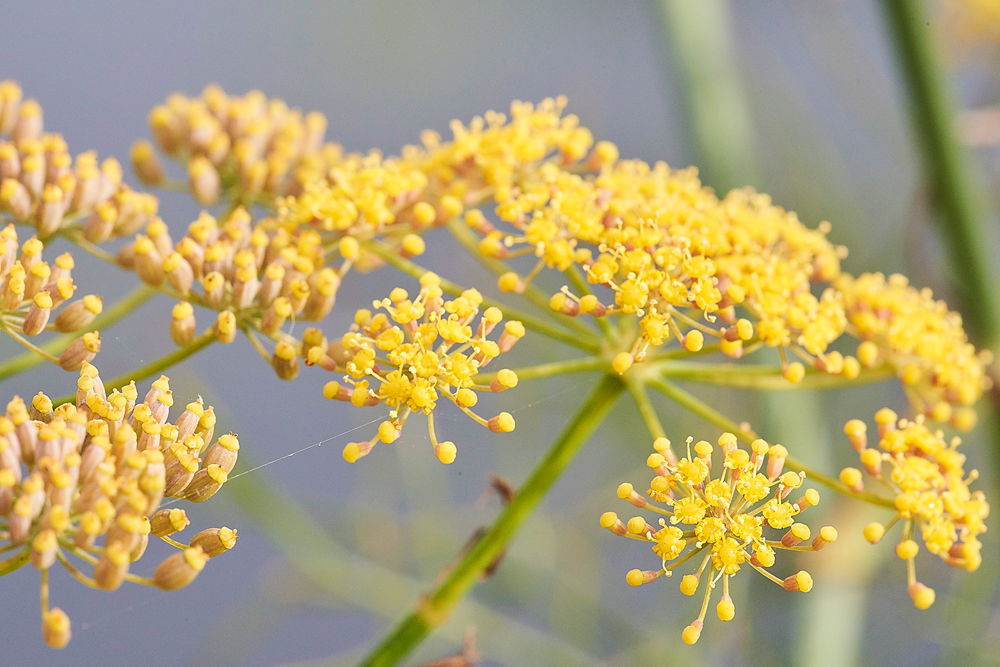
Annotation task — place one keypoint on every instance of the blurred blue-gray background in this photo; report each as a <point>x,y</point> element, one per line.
<point>830,140</point>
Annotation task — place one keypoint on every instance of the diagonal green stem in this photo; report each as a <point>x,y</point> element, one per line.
<point>764,376</point>
<point>54,346</point>
<point>587,343</point>
<point>434,609</point>
<point>645,407</point>
<point>706,412</point>
<point>12,563</point>
<point>155,366</point>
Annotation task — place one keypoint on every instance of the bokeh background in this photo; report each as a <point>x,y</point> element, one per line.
<point>330,554</point>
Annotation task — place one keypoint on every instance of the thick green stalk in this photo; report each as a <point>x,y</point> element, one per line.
<point>706,412</point>
<point>587,343</point>
<point>947,170</point>
<point>129,304</point>
<point>434,609</point>
<point>155,366</point>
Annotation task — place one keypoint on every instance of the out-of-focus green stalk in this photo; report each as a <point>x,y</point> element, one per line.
<point>434,609</point>
<point>153,367</point>
<point>946,167</point>
<point>701,36</point>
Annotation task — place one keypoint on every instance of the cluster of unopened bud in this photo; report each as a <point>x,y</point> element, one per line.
<point>248,145</point>
<point>40,182</point>
<point>259,275</point>
<point>86,480</point>
<point>32,292</point>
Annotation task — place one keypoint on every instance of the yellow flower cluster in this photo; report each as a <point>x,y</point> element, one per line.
<point>922,340</point>
<point>727,515</point>
<point>40,182</point>
<point>86,481</point>
<point>249,147</point>
<point>432,348</point>
<point>361,196</point>
<point>927,476</point>
<point>32,291</point>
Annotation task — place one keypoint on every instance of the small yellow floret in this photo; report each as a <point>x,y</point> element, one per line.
<point>689,584</point>
<point>622,362</point>
<point>907,549</point>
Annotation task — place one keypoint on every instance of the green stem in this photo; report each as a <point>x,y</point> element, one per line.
<point>55,346</point>
<point>467,239</point>
<point>645,407</point>
<point>947,170</point>
<point>706,412</point>
<point>8,565</point>
<point>701,34</point>
<point>764,377</point>
<point>434,609</point>
<point>155,366</point>
<point>586,343</point>
<point>552,369</point>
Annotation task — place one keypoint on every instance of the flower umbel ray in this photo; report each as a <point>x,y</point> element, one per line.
<point>721,519</point>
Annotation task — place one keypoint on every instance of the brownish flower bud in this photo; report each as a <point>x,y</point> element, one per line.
<point>225,327</point>
<point>148,262</point>
<point>275,316</point>
<point>214,284</point>
<point>10,161</point>
<point>168,521</point>
<point>204,181</point>
<point>82,350</point>
<point>100,223</point>
<point>223,453</point>
<point>49,215</point>
<point>15,199</point>
<point>180,471</point>
<point>79,314</point>
<point>270,287</point>
<point>43,550</point>
<point>285,361</point>
<point>56,628</point>
<point>215,541</point>
<point>179,272</point>
<point>126,257</point>
<point>145,164</point>
<point>10,104</point>
<point>206,483</point>
<point>182,325</point>
<point>110,570</point>
<point>29,122</point>
<point>180,569</point>
<point>38,314</point>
